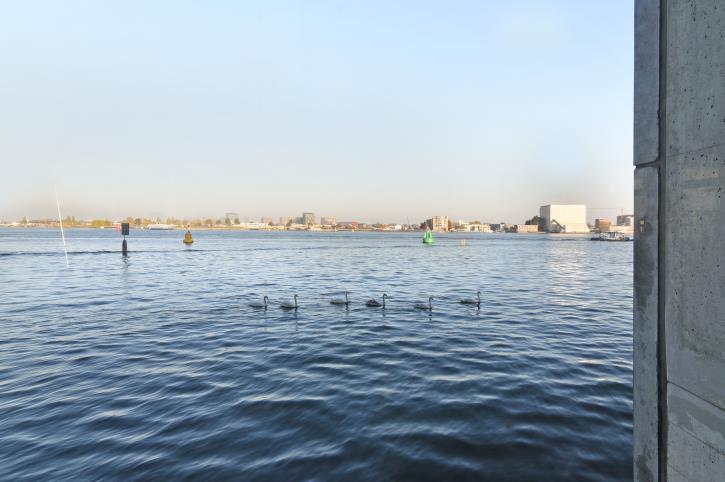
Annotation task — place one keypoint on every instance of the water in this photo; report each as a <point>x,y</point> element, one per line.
<point>153,366</point>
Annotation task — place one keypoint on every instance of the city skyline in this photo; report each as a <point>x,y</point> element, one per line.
<point>477,111</point>
<point>235,218</point>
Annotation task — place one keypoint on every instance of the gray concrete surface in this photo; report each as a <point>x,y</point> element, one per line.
<point>679,315</point>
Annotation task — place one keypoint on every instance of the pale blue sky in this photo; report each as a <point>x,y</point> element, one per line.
<point>363,110</point>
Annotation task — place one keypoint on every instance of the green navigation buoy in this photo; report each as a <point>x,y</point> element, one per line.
<point>428,237</point>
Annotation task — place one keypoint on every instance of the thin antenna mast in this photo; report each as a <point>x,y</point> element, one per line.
<point>62,235</point>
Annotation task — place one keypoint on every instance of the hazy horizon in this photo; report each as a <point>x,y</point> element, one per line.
<point>372,112</point>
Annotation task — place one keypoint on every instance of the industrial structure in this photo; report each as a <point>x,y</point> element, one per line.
<point>564,218</point>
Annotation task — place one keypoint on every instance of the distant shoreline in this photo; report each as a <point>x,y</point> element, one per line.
<point>232,228</point>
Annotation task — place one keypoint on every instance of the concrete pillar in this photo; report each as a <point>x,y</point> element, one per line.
<point>679,273</point>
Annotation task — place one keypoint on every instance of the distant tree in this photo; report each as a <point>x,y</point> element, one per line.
<point>137,222</point>
<point>450,225</point>
<point>100,223</point>
<point>535,221</point>
<point>227,221</point>
<point>424,225</point>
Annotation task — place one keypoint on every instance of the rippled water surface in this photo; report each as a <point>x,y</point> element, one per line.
<point>154,365</point>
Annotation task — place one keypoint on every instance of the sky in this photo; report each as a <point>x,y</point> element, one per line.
<point>370,111</point>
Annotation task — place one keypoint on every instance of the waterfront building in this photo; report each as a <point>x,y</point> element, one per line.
<point>328,220</point>
<point>252,226</point>
<point>499,227</point>
<point>479,227</point>
<point>438,223</point>
<point>308,218</point>
<point>525,228</point>
<point>284,220</point>
<point>564,218</point>
<point>265,220</point>
<point>625,220</point>
<point>602,225</point>
<point>348,224</point>
<point>473,227</point>
<point>621,229</point>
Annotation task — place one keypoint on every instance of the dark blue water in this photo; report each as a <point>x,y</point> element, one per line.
<point>154,367</point>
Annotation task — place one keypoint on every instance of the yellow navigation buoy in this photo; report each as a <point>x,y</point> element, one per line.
<point>187,237</point>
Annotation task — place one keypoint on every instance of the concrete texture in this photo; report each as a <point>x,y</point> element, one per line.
<point>695,272</point>
<point>646,223</point>
<point>679,316</point>
<point>646,82</point>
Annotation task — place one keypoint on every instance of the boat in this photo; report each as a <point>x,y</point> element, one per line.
<point>187,238</point>
<point>428,237</point>
<point>160,227</point>
<point>613,236</point>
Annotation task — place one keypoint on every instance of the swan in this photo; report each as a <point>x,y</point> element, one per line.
<point>260,304</point>
<point>373,303</point>
<point>286,305</point>
<point>471,301</point>
<point>423,306</point>
<point>340,301</point>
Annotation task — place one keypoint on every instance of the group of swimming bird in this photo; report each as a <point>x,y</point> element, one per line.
<point>371,303</point>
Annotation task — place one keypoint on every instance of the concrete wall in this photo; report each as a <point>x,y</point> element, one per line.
<point>679,305</point>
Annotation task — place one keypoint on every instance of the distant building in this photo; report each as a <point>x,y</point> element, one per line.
<point>308,218</point>
<point>284,220</point>
<point>438,223</point>
<point>348,224</point>
<point>473,227</point>
<point>499,227</point>
<point>525,228</point>
<point>265,220</point>
<point>621,229</point>
<point>625,220</point>
<point>564,218</point>
<point>328,220</point>
<point>253,226</point>
<point>231,218</point>
<point>602,225</point>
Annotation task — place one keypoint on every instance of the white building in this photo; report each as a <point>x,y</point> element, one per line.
<point>564,218</point>
<point>252,225</point>
<point>438,223</point>
<point>621,229</point>
<point>473,227</point>
<point>526,228</point>
<point>328,220</point>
